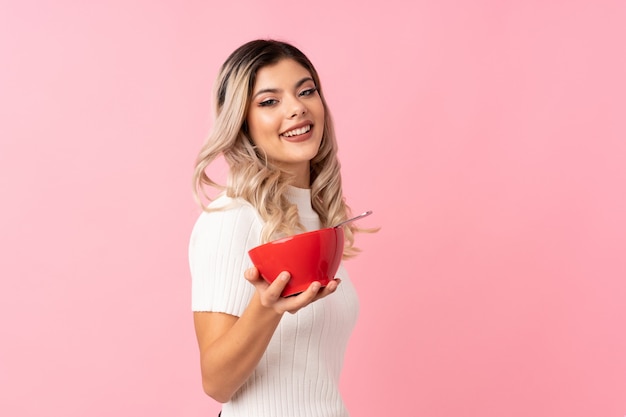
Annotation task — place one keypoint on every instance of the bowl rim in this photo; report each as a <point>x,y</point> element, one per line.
<point>296,236</point>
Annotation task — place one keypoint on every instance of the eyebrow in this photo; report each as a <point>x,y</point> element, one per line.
<point>276,90</point>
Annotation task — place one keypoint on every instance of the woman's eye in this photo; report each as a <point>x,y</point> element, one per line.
<point>308,91</point>
<point>268,102</point>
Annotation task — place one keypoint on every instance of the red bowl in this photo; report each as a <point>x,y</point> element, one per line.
<point>308,257</point>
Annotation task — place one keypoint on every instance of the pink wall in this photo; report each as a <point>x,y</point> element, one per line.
<point>488,137</point>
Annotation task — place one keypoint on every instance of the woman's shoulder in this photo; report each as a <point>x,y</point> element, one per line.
<point>227,213</point>
<point>229,206</point>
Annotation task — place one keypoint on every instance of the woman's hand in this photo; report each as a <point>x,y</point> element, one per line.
<point>269,294</point>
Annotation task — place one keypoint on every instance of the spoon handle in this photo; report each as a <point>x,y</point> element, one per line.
<point>360,216</point>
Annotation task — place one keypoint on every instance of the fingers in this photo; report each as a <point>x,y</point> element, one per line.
<point>308,295</point>
<point>330,288</point>
<point>276,288</point>
<point>270,294</point>
<point>313,293</point>
<point>251,274</point>
<point>332,285</point>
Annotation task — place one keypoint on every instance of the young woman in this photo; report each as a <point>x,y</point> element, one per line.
<point>262,354</point>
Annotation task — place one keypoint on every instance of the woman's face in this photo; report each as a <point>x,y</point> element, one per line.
<point>286,117</point>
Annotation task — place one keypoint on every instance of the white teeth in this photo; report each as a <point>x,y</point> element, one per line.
<point>296,132</point>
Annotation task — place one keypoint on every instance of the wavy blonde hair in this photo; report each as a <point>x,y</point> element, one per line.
<point>251,175</point>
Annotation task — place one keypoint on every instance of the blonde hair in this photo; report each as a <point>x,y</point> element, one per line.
<point>251,175</point>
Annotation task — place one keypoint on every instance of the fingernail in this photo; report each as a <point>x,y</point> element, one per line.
<point>316,286</point>
<point>284,276</point>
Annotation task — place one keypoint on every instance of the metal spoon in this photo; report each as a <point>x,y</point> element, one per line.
<point>360,216</point>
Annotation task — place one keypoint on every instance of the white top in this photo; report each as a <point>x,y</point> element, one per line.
<point>298,376</point>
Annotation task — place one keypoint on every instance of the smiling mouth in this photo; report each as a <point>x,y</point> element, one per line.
<point>297,132</point>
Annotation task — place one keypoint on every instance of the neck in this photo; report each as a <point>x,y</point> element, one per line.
<point>301,176</point>
<point>301,183</point>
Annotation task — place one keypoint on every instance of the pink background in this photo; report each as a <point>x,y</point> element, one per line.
<point>489,138</point>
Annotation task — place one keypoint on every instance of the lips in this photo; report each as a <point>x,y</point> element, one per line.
<point>297,130</point>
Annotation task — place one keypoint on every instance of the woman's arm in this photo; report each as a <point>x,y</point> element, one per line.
<point>231,347</point>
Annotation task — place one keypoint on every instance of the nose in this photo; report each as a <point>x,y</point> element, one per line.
<point>296,108</point>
